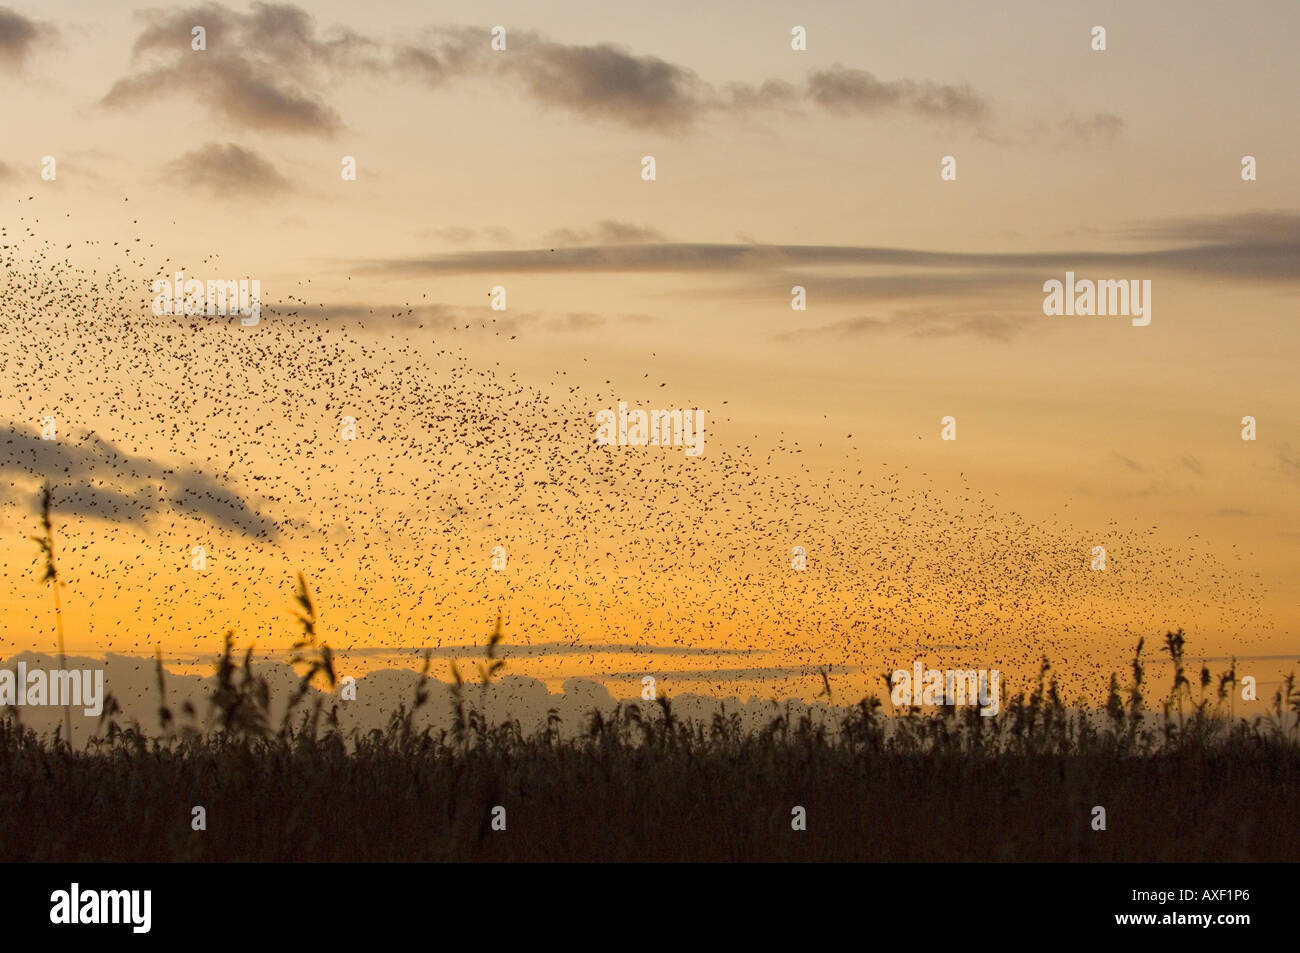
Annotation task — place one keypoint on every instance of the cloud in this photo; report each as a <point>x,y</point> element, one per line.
<point>611,258</point>
<point>19,36</point>
<point>270,69</point>
<point>93,478</point>
<point>919,324</point>
<point>6,172</point>
<point>1194,465</point>
<point>1288,462</point>
<point>107,504</point>
<point>910,284</point>
<point>236,90</point>
<point>1127,461</point>
<point>281,32</point>
<point>464,235</point>
<point>602,81</point>
<point>1264,226</point>
<point>227,170</point>
<point>577,321</point>
<point>264,70</point>
<point>586,320</point>
<point>1072,132</point>
<point>854,91</point>
<point>608,82</point>
<point>770,94</point>
<point>1270,256</point>
<point>1103,127</point>
<point>442,317</point>
<point>607,232</point>
<point>433,316</point>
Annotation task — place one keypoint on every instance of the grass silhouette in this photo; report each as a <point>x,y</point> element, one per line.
<point>643,784</point>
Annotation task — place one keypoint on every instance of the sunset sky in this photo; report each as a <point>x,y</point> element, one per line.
<point>774,168</point>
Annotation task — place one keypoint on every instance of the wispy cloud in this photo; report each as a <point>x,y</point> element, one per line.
<point>271,69</point>
<point>1211,248</point>
<point>855,91</point>
<point>607,232</point>
<point>444,317</point>
<point>1101,127</point>
<point>265,70</point>
<point>1128,462</point>
<point>19,36</point>
<point>930,323</point>
<point>228,170</point>
<point>94,478</point>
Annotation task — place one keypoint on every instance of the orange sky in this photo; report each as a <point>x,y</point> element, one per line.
<point>775,168</point>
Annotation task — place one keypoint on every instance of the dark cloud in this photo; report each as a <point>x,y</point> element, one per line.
<point>270,69</point>
<point>602,81</point>
<point>228,170</point>
<point>92,478</point>
<point>447,53</point>
<point>263,70</point>
<point>847,91</point>
<point>238,91</point>
<point>608,82</point>
<point>1270,256</point>
<point>1194,465</point>
<point>19,36</point>
<point>1264,226</point>
<point>611,258</point>
<point>281,33</point>
<point>106,504</point>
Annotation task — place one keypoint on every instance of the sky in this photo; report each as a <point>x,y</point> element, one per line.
<point>775,167</point>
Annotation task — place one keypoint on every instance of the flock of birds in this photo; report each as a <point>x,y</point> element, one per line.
<point>177,432</point>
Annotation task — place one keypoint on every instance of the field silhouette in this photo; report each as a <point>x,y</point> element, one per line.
<point>1187,782</point>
